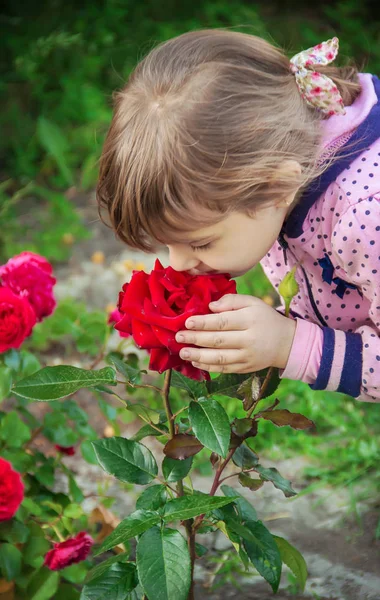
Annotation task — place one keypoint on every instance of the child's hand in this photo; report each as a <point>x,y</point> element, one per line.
<point>246,335</point>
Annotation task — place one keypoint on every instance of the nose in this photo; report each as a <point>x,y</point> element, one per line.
<point>182,259</point>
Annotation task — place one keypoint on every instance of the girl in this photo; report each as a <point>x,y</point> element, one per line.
<point>231,154</point>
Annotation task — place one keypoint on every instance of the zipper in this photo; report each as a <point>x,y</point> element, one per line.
<point>285,247</point>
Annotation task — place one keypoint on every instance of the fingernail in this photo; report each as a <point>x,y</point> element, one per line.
<point>180,338</point>
<point>185,353</point>
<point>190,324</point>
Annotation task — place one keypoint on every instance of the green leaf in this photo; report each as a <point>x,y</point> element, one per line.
<point>43,584</point>
<point>112,584</point>
<point>194,388</point>
<point>130,373</point>
<point>248,482</point>
<point>211,425</point>
<point>103,566</point>
<point>187,507</point>
<point>13,430</point>
<point>245,458</point>
<point>261,549</point>
<point>66,592</point>
<point>293,559</point>
<point>5,382</point>
<point>12,359</point>
<point>10,561</point>
<point>75,491</point>
<point>108,410</point>
<point>88,452</point>
<point>135,524</point>
<point>146,431</point>
<point>175,470</point>
<point>55,143</point>
<point>271,474</point>
<point>75,573</point>
<point>36,546</point>
<point>200,550</point>
<point>244,508</point>
<point>146,413</point>
<point>57,429</point>
<point>227,384</point>
<point>13,531</point>
<point>152,497</point>
<point>51,383</point>
<point>73,511</point>
<point>182,446</point>
<point>128,461</point>
<point>20,461</point>
<point>29,364</point>
<point>163,564</point>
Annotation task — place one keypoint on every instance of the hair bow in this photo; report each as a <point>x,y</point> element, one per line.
<point>319,91</point>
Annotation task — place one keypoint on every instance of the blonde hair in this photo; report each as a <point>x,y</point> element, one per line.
<point>203,124</point>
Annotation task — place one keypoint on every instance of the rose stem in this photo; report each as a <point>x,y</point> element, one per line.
<point>165,397</point>
<point>215,485</point>
<point>188,522</point>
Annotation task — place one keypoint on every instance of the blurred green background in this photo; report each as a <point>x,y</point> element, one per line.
<point>60,63</point>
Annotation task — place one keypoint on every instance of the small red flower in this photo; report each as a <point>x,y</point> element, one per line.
<point>70,551</point>
<point>155,306</point>
<point>68,450</point>
<point>11,490</point>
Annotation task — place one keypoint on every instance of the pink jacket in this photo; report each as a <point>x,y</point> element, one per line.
<point>335,231</point>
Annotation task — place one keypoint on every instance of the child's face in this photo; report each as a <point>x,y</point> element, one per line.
<point>233,245</point>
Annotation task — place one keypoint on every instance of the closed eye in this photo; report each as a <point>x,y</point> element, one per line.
<point>204,247</point>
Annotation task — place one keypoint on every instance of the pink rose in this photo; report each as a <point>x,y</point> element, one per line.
<point>67,553</point>
<point>11,490</point>
<point>17,319</point>
<point>30,276</point>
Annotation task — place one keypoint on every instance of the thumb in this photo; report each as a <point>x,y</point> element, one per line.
<point>232,302</point>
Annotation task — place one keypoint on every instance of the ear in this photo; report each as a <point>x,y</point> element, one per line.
<point>289,169</point>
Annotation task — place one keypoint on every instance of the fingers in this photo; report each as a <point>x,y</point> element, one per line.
<point>229,320</point>
<point>232,302</point>
<point>217,368</point>
<point>211,358</point>
<point>214,339</point>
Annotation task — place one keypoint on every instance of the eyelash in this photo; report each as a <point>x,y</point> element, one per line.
<point>204,247</point>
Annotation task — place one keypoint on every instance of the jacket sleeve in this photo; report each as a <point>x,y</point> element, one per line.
<point>346,361</point>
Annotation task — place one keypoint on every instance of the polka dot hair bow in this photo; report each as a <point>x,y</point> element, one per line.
<point>319,91</point>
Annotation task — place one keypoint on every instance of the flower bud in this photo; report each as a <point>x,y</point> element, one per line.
<point>289,288</point>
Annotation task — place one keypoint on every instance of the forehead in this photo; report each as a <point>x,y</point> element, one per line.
<point>193,227</point>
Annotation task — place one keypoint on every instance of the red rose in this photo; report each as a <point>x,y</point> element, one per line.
<point>114,317</point>
<point>67,553</point>
<point>30,275</point>
<point>17,319</point>
<point>156,306</point>
<point>11,490</point>
<point>68,450</point>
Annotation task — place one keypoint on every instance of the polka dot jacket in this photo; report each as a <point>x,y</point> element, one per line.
<point>334,231</point>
